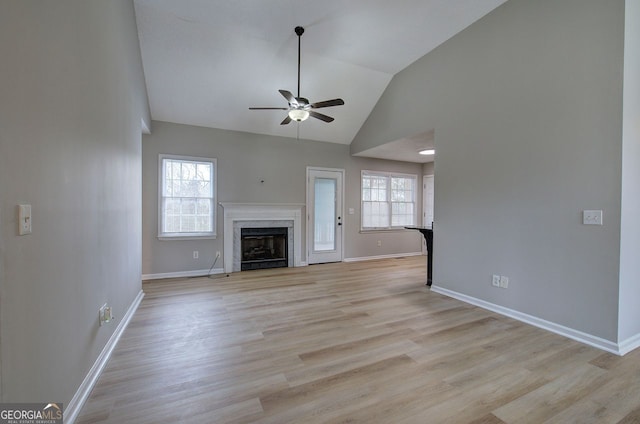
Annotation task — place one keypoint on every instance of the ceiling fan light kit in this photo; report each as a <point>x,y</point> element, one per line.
<point>299,107</point>
<point>298,114</point>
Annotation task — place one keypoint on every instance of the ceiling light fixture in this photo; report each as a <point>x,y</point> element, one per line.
<point>299,107</point>
<point>298,114</point>
<point>424,152</point>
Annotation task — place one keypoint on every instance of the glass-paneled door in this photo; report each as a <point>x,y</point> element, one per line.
<point>324,210</point>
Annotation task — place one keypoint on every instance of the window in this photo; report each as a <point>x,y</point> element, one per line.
<point>187,197</point>
<point>388,200</point>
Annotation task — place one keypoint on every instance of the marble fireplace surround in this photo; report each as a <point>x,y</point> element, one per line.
<point>252,215</point>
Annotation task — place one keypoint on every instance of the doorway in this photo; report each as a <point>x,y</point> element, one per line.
<point>324,215</point>
<point>427,201</point>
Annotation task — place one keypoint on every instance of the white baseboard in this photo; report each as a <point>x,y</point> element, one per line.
<point>183,274</point>
<point>72,411</point>
<point>393,255</point>
<point>629,344</point>
<point>571,333</point>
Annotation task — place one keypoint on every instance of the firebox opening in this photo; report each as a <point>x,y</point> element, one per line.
<point>264,248</point>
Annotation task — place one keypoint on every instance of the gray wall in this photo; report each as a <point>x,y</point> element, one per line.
<point>243,161</point>
<point>526,105</point>
<point>428,168</point>
<point>630,235</point>
<point>72,96</point>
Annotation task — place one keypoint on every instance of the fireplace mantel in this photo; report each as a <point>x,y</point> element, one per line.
<point>235,212</point>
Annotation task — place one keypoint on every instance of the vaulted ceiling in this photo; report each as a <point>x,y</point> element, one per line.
<point>207,61</point>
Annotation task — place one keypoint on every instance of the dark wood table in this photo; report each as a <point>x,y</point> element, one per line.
<point>427,232</point>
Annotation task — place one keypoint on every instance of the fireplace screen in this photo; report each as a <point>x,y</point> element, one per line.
<point>264,248</point>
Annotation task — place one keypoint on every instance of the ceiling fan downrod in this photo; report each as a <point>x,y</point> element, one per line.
<point>299,107</point>
<point>299,31</point>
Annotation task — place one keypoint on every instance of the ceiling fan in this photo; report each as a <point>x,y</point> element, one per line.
<point>299,107</point>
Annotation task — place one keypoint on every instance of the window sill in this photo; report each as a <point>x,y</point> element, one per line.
<point>205,236</point>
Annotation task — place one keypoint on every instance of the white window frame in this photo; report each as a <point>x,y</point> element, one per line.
<point>162,235</point>
<point>389,176</point>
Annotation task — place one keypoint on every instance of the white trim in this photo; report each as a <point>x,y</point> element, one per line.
<point>214,215</point>
<point>309,234</point>
<point>571,333</point>
<point>261,211</point>
<point>321,168</point>
<point>72,411</point>
<point>193,236</point>
<point>182,274</point>
<point>425,178</point>
<point>389,175</point>
<point>390,256</point>
<point>629,344</point>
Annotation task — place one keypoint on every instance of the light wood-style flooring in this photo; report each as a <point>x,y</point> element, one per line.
<point>361,342</point>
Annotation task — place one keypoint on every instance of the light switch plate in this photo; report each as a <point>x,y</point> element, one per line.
<point>504,282</point>
<point>592,217</point>
<point>24,219</point>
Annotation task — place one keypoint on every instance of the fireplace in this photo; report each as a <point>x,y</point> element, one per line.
<point>238,216</point>
<point>263,248</point>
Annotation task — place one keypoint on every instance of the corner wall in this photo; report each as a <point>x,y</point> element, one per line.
<point>72,97</point>
<point>527,108</point>
<point>629,321</point>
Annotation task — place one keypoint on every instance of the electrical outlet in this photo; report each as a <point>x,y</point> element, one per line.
<point>218,254</point>
<point>495,282</point>
<point>504,282</point>
<point>379,243</point>
<point>592,217</point>
<point>195,254</point>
